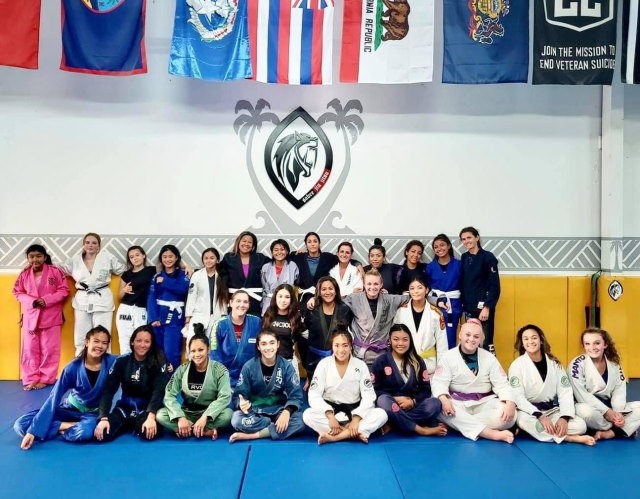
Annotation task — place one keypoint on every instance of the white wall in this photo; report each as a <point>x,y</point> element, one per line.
<point>156,154</point>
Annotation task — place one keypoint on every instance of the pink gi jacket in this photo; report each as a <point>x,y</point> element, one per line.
<point>53,289</point>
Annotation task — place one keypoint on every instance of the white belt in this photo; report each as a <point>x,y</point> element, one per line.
<point>252,292</point>
<point>449,294</point>
<point>311,290</point>
<point>173,305</point>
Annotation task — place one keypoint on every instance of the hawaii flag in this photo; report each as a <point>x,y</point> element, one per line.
<point>630,42</point>
<point>291,41</point>
<point>387,41</point>
<point>19,33</point>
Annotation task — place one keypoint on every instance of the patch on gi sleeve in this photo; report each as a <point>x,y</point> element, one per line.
<point>515,382</point>
<point>564,381</point>
<point>388,371</point>
<point>425,375</point>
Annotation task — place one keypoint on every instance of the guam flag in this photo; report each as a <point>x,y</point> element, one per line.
<point>387,41</point>
<point>631,41</point>
<point>486,41</point>
<point>19,33</point>
<point>291,41</point>
<point>104,37</point>
<point>210,40</point>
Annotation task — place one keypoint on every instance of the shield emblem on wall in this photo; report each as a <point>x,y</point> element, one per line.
<point>578,15</point>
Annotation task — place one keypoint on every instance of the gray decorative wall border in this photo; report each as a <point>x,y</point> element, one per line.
<point>520,255</point>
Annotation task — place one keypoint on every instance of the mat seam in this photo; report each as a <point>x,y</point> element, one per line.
<point>542,471</point>
<point>244,471</point>
<point>386,451</point>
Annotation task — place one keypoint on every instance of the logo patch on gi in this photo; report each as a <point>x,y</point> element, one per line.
<point>442,325</point>
<point>367,383</point>
<point>564,381</point>
<point>388,371</point>
<point>438,371</point>
<point>240,380</point>
<point>395,407</point>
<point>514,381</point>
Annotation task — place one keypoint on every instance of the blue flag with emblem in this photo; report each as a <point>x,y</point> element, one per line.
<point>486,41</point>
<point>211,40</point>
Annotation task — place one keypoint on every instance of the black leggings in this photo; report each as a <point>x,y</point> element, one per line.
<point>120,422</point>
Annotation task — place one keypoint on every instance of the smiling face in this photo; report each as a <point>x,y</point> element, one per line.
<point>209,260</point>
<point>327,292</point>
<point>136,257</point>
<point>440,248</point>
<point>313,245</point>
<point>239,305</point>
<point>594,346</point>
<point>283,300</point>
<point>344,254</point>
<point>469,241</point>
<point>531,341</point>
<point>341,347</point>
<point>36,260</point>
<point>376,258</point>
<point>168,260</point>
<point>400,342</point>
<point>142,345</point>
<point>372,286</point>
<point>413,255</point>
<point>199,353</point>
<point>90,245</point>
<point>418,291</point>
<point>268,347</point>
<point>97,345</point>
<point>245,246</point>
<point>279,253</point>
<point>471,337</point>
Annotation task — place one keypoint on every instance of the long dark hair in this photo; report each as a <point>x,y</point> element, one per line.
<point>155,358</point>
<point>222,280</point>
<point>139,248</point>
<point>544,344</point>
<point>410,357</point>
<point>293,314</point>
<point>411,244</point>
<point>444,238</point>
<point>610,352</point>
<point>318,299</point>
<point>236,244</point>
<point>40,249</point>
<point>176,252</point>
<point>92,332</point>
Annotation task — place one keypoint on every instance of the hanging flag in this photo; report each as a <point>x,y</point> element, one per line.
<point>104,37</point>
<point>210,40</point>
<point>291,41</point>
<point>19,33</point>
<point>486,41</point>
<point>574,42</point>
<point>630,41</point>
<point>387,41</point>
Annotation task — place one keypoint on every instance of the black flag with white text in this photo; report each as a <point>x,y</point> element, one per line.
<point>630,42</point>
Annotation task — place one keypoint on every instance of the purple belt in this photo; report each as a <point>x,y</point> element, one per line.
<point>545,406</point>
<point>376,347</point>
<point>464,397</point>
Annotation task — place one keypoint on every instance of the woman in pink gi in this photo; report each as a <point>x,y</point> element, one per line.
<point>41,289</point>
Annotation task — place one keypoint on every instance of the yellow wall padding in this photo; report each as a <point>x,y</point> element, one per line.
<point>617,317</point>
<point>579,297</point>
<point>9,329</point>
<point>505,317</point>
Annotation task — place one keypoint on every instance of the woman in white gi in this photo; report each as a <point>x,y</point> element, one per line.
<point>600,388</point>
<point>133,293</point>
<point>205,393</point>
<point>341,396</point>
<point>276,272</point>
<point>345,273</point>
<point>93,302</point>
<point>474,390</point>
<point>546,409</point>
<point>208,296</point>
<point>425,323</point>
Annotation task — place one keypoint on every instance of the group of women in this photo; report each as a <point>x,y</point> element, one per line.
<point>374,358</point>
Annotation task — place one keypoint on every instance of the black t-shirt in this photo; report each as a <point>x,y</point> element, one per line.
<point>140,282</point>
<point>195,379</point>
<point>471,360</point>
<point>282,327</point>
<point>212,289</point>
<point>541,366</point>
<point>417,317</point>
<point>92,375</point>
<point>267,372</point>
<point>373,305</point>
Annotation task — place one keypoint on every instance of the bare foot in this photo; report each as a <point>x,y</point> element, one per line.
<point>498,435</point>
<point>29,387</point>
<point>387,428</point>
<point>238,435</point>
<point>363,439</point>
<point>438,431</point>
<point>306,385</point>
<point>39,386</point>
<point>580,439</point>
<point>325,438</point>
<point>64,426</point>
<point>604,435</point>
<point>211,433</point>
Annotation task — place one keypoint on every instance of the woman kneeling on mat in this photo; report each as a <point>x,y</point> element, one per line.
<point>600,388</point>
<point>268,395</point>
<point>341,396</point>
<point>142,375</point>
<point>401,382</point>
<point>204,387</point>
<point>71,410</point>
<point>474,390</point>
<point>546,410</point>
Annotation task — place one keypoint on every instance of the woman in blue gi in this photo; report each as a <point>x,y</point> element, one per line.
<point>268,395</point>
<point>71,410</point>
<point>401,381</point>
<point>142,376</point>
<point>443,278</point>
<point>244,265</point>
<point>165,303</point>
<point>412,266</point>
<point>277,272</point>
<point>479,284</point>
<point>283,318</point>
<point>205,393</point>
<point>235,336</point>
<point>388,271</point>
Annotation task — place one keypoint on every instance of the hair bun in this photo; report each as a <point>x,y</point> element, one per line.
<point>198,328</point>
<point>377,241</point>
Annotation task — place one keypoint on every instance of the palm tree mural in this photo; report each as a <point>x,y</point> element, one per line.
<point>249,123</point>
<point>615,252</point>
